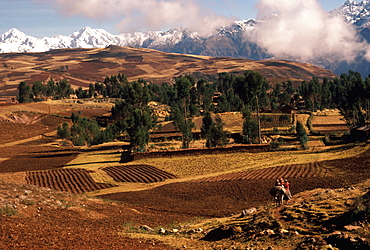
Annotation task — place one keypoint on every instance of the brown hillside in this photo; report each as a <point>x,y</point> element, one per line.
<point>83,66</point>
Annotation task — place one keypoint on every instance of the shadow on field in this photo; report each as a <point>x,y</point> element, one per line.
<point>90,163</point>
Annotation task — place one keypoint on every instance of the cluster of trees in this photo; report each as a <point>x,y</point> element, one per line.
<point>85,131</point>
<point>213,131</point>
<point>133,116</point>
<point>188,97</point>
<point>246,91</point>
<point>40,91</point>
<point>350,93</point>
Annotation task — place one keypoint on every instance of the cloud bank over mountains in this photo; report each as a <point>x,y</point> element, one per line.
<point>302,30</point>
<point>294,29</point>
<point>297,30</point>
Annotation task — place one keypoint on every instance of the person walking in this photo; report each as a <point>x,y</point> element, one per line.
<point>288,194</point>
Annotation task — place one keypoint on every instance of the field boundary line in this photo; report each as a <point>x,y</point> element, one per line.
<point>34,138</point>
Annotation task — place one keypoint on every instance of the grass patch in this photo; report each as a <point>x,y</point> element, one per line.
<point>28,202</point>
<point>8,211</point>
<point>130,227</point>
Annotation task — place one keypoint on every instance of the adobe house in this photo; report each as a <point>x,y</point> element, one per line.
<point>287,109</point>
<point>360,132</point>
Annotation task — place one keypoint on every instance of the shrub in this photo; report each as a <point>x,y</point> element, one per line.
<point>64,131</point>
<point>284,117</point>
<point>302,134</point>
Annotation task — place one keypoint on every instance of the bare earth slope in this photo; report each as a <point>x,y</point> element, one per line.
<point>188,188</point>
<point>84,66</point>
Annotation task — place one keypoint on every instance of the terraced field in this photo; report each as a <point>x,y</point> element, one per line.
<point>306,170</point>
<point>76,181</point>
<point>137,173</point>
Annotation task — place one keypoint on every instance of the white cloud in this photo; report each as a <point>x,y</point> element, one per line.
<point>144,14</point>
<point>302,30</point>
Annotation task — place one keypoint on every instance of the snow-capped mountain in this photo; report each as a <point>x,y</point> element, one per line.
<point>17,41</point>
<point>227,41</point>
<point>230,41</point>
<point>178,40</point>
<point>357,13</point>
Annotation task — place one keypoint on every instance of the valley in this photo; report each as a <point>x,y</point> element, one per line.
<point>216,134</point>
<point>44,180</point>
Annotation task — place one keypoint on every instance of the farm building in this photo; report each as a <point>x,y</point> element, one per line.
<point>287,109</point>
<point>360,132</point>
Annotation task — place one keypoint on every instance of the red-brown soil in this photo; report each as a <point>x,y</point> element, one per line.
<point>31,157</point>
<point>229,194</point>
<point>47,219</point>
<point>307,170</point>
<point>75,181</point>
<point>137,173</point>
<point>19,131</point>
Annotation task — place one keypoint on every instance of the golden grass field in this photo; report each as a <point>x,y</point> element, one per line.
<point>329,121</point>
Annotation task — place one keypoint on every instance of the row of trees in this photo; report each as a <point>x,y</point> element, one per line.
<point>40,91</point>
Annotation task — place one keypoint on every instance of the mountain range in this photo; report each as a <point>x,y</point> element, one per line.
<point>231,41</point>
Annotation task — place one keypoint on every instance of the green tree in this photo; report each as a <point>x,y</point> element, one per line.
<point>302,134</point>
<point>91,90</point>
<point>138,126</point>
<point>38,89</point>
<point>85,132</point>
<point>64,89</point>
<point>353,98</point>
<point>64,131</point>
<point>51,88</point>
<point>80,93</point>
<point>133,116</point>
<point>181,112</point>
<point>288,86</point>
<point>185,125</point>
<point>217,135</point>
<point>24,93</point>
<point>250,126</point>
<point>207,123</point>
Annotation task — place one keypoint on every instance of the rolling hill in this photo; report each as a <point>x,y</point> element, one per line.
<point>84,66</point>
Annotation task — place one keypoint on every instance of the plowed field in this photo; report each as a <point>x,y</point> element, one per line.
<point>230,193</point>
<point>76,181</point>
<point>137,173</point>
<point>307,170</point>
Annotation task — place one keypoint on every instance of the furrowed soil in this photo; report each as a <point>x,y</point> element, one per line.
<point>64,197</point>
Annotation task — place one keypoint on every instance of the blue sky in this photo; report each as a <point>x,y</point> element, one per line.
<point>41,18</point>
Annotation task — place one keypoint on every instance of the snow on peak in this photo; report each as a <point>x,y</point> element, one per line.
<point>13,34</point>
<point>16,41</point>
<point>357,13</point>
